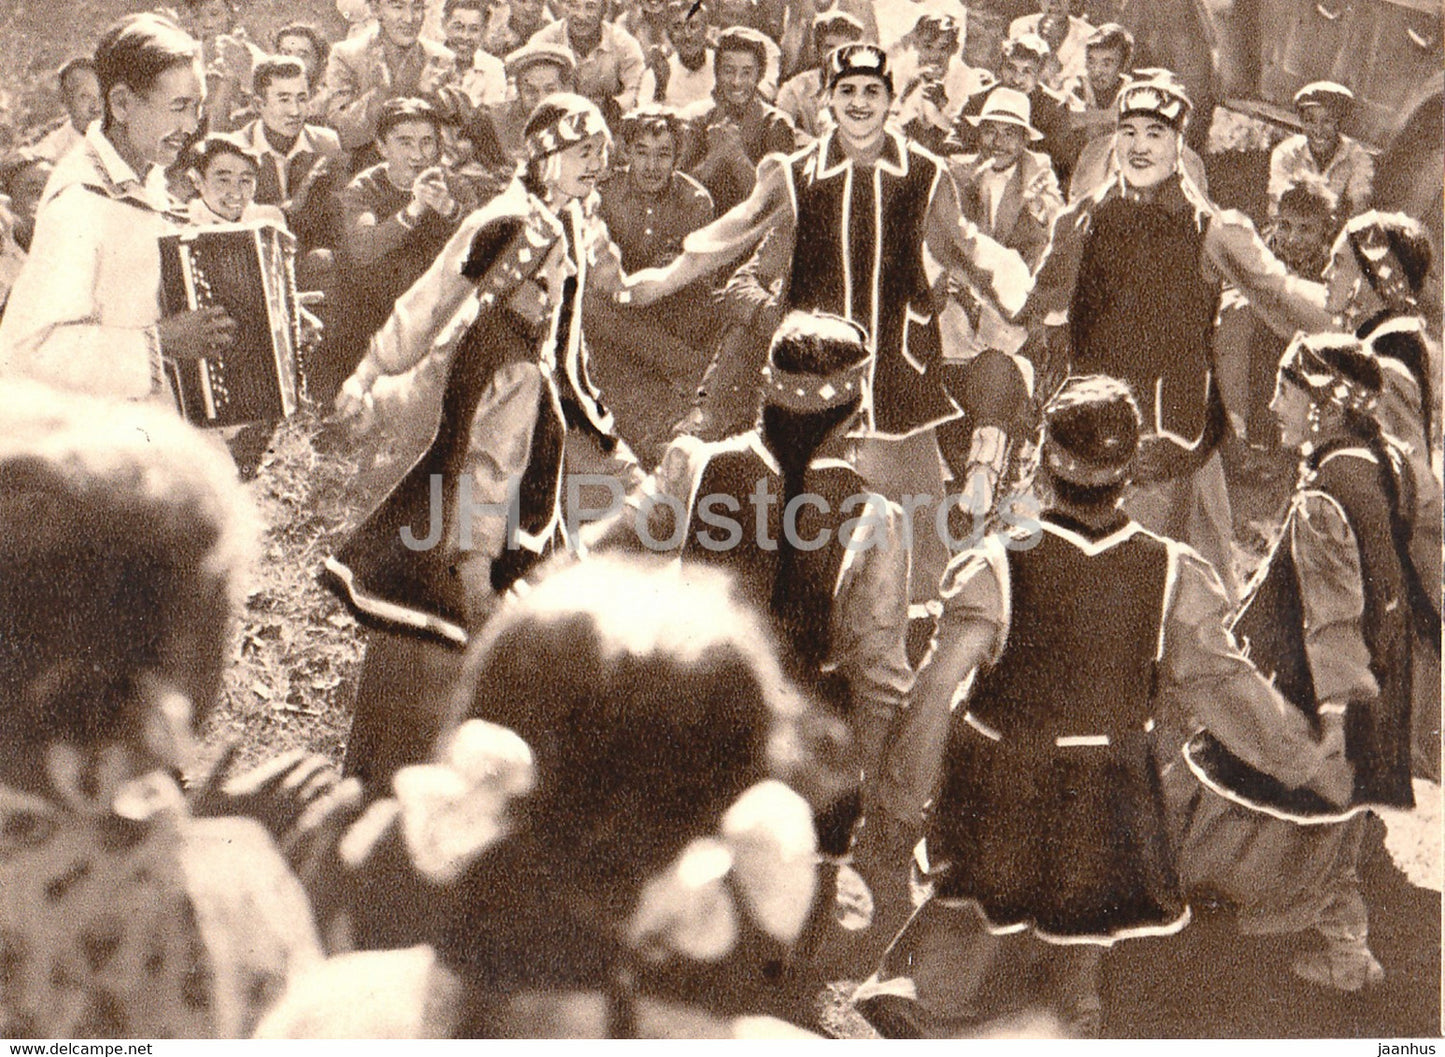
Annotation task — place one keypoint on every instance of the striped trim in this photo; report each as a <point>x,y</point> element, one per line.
<point>982,727</point>
<point>1070,741</point>
<point>390,611</point>
<point>1265,809</point>
<point>1167,928</point>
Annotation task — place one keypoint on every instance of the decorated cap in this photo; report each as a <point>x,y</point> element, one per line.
<point>1156,93</point>
<point>936,25</point>
<point>529,55</point>
<point>1393,251</point>
<point>560,120</point>
<point>1334,369</point>
<point>817,362</point>
<point>858,59</point>
<point>1028,46</point>
<point>1324,93</point>
<point>1091,431</point>
<point>1007,106</point>
<point>1112,35</point>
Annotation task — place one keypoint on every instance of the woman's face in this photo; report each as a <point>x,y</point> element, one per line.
<point>1344,282</point>
<point>1291,406</point>
<point>860,106</point>
<point>580,167</point>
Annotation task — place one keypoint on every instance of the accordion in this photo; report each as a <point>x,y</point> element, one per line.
<point>249,270</point>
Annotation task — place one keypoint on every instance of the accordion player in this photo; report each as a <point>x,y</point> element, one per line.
<point>249,270</point>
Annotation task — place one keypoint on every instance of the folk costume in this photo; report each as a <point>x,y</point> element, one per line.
<point>1047,818</point>
<point>1328,618</point>
<point>518,403</point>
<point>867,242</point>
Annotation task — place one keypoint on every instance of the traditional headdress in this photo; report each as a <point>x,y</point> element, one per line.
<point>1091,431</point>
<point>560,120</point>
<point>1393,251</point>
<point>853,59</point>
<point>817,362</point>
<point>1334,369</point>
<point>1156,93</point>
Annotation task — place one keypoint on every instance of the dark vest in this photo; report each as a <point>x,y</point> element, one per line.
<point>860,234</point>
<point>1066,838</point>
<point>1144,312</point>
<point>1270,628</point>
<point>793,587</point>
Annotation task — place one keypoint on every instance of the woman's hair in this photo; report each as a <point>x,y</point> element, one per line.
<point>650,702</point>
<point>122,530</point>
<point>137,50</point>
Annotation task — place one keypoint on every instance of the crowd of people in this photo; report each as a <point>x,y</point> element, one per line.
<point>818,539</point>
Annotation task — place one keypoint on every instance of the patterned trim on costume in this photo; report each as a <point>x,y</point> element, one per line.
<point>810,392</point>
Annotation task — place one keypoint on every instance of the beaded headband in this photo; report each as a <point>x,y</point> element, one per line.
<point>1304,367</point>
<point>809,393</point>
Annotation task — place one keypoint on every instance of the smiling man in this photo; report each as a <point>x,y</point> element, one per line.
<point>85,313</point>
<point>1322,152</point>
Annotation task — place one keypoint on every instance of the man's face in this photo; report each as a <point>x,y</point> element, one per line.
<point>400,20</point>
<point>1301,241</point>
<point>1020,72</point>
<point>738,74</point>
<point>1103,66</point>
<point>526,12</point>
<point>935,51</point>
<point>1001,141</point>
<point>228,185</point>
<point>408,149</point>
<point>159,124</point>
<point>537,82</point>
<point>1322,129</point>
<point>584,17</point>
<point>296,46</point>
<point>283,108</point>
<point>214,18</point>
<point>464,34</point>
<point>1147,149</point>
<point>82,98</point>
<point>688,35</point>
<point>651,157</point>
<point>860,106</point>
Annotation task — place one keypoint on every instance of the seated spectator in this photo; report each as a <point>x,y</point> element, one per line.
<point>298,40</point>
<point>689,74</point>
<point>225,175</point>
<point>1067,39</point>
<point>1009,191</point>
<point>482,75</point>
<point>537,70</point>
<point>747,14</point>
<point>524,18</point>
<point>229,58</point>
<point>896,20</point>
<point>80,92</point>
<point>301,164</point>
<point>729,136</point>
<point>85,312</point>
<point>123,542</point>
<point>396,217</point>
<point>804,98</point>
<point>649,360</point>
<point>935,81</point>
<point>604,756</point>
<point>650,23</point>
<point>1106,58</point>
<point>1322,151</point>
<point>1021,64</point>
<point>22,180</point>
<point>609,60</point>
<point>388,61</point>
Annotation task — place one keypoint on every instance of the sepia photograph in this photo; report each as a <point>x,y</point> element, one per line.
<point>721,519</point>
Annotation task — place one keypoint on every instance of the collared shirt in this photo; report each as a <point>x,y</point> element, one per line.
<point>202,215</point>
<point>611,70</point>
<point>649,231</point>
<point>82,313</point>
<point>1350,173</point>
<point>991,184</point>
<point>312,140</point>
<point>362,75</point>
<point>684,87</point>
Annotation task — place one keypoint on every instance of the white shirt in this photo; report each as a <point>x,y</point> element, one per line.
<point>486,82</point>
<point>83,310</point>
<point>684,86</point>
<point>991,182</point>
<point>58,142</point>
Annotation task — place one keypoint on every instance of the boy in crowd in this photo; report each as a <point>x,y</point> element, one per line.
<point>687,76</point>
<point>1322,151</point>
<point>229,58</point>
<point>225,176</point>
<point>609,59</point>
<point>1021,65</point>
<point>1106,59</point>
<point>482,75</point>
<point>300,163</point>
<point>80,92</point>
<point>728,138</point>
<point>85,312</point>
<point>1068,57</point>
<point>537,70</point>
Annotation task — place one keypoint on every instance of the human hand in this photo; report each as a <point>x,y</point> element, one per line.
<point>725,140</point>
<point>276,794</point>
<point>196,334</point>
<point>935,93</point>
<point>431,191</point>
<point>354,403</point>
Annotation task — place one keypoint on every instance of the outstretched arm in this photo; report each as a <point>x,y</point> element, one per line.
<point>957,243</point>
